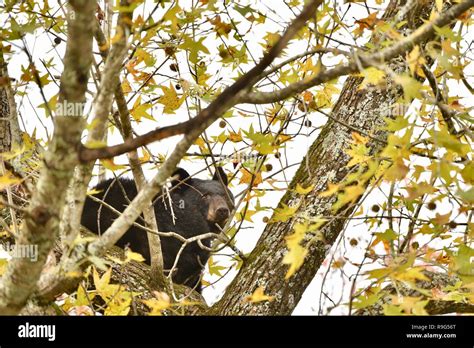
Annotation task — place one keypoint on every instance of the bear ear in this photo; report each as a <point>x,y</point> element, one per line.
<point>220,175</point>
<point>179,176</point>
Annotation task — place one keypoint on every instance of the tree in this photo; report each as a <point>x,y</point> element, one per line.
<point>372,140</point>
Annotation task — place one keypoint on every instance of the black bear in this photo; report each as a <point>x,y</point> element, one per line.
<point>197,207</point>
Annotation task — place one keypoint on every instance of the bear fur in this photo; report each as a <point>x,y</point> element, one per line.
<point>199,206</point>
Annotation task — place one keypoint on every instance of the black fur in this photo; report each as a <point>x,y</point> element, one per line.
<point>191,199</point>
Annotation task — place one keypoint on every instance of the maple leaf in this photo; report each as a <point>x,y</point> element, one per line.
<point>411,87</point>
<point>415,60</point>
<point>397,171</point>
<point>258,296</point>
<point>110,165</point>
<point>170,99</point>
<point>139,110</point>
<point>350,195</point>
<point>296,252</point>
<point>366,23</point>
<point>284,213</point>
<point>263,143</point>
<point>332,189</point>
<point>247,177</point>
<point>372,76</point>
<point>194,47</point>
<point>158,304</point>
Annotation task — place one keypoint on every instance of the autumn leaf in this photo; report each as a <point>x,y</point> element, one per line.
<point>263,143</point>
<point>139,110</point>
<point>324,96</point>
<point>170,99</point>
<point>410,304</point>
<point>359,153</point>
<point>214,268</point>
<point>332,189</point>
<point>194,47</point>
<point>3,266</point>
<point>350,195</point>
<point>411,87</point>
<point>133,256</point>
<point>303,191</point>
<point>415,60</point>
<point>366,23</point>
<point>310,69</point>
<point>110,165</point>
<point>258,296</point>
<point>158,304</point>
<point>235,137</point>
<point>284,213</point>
<point>296,253</point>
<point>8,180</point>
<point>397,171</point>
<point>249,177</point>
<point>372,76</point>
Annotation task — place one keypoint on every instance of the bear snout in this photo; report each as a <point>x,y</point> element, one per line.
<point>222,214</point>
<point>218,212</point>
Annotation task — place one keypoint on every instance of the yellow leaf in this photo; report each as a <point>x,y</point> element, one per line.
<point>146,156</point>
<point>130,255</point>
<point>304,191</point>
<point>310,69</point>
<point>8,180</point>
<point>441,219</point>
<point>372,76</point>
<point>170,99</point>
<point>296,253</point>
<point>358,153</point>
<point>397,171</point>
<point>411,87</point>
<point>350,195</point>
<point>415,59</point>
<point>247,177</point>
<point>324,96</point>
<point>126,88</point>
<point>101,283</point>
<point>3,266</point>
<point>410,274</point>
<point>139,110</point>
<point>284,213</point>
<point>158,304</point>
<point>332,189</point>
<point>359,139</point>
<point>110,165</point>
<point>258,296</point>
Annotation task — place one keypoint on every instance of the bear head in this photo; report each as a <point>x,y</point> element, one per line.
<point>212,197</point>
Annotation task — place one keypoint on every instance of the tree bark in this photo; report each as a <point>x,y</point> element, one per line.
<point>326,162</point>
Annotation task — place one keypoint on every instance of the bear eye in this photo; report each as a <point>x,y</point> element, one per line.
<point>206,196</point>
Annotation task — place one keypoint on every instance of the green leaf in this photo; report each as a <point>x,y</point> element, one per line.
<point>194,48</point>
<point>411,87</point>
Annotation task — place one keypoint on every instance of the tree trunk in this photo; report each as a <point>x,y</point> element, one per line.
<point>326,162</point>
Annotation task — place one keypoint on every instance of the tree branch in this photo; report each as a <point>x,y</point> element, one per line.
<point>41,224</point>
<point>216,109</point>
<point>365,60</point>
<point>421,34</point>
